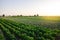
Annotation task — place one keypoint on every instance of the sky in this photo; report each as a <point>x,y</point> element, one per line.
<point>30,7</point>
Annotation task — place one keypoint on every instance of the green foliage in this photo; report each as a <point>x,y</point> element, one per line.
<point>20,31</point>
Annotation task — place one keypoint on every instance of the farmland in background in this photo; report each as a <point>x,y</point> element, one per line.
<point>44,21</point>
<point>29,27</point>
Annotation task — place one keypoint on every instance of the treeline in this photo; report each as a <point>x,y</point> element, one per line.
<point>18,15</point>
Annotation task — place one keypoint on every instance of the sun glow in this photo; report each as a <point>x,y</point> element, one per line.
<point>52,18</point>
<point>31,7</point>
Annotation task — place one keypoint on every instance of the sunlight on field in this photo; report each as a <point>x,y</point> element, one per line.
<point>52,18</point>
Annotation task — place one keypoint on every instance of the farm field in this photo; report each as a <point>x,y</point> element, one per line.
<point>29,28</point>
<point>44,21</point>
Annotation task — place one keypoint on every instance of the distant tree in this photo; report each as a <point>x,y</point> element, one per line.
<point>37,15</point>
<point>34,15</point>
<point>3,15</point>
<point>21,15</point>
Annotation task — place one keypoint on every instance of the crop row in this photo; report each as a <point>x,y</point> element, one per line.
<point>19,31</point>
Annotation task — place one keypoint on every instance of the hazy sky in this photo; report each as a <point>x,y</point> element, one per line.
<point>30,7</point>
